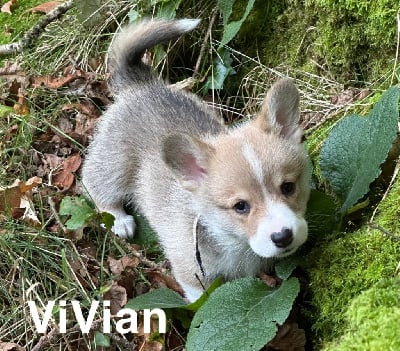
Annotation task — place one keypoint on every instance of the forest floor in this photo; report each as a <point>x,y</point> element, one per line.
<point>52,245</point>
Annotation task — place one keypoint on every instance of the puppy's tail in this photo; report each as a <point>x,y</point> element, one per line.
<point>127,49</point>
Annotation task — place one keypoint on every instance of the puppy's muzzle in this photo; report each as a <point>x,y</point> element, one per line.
<point>283,238</point>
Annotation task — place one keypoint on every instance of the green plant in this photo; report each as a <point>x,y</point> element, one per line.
<point>352,153</point>
<point>244,312</point>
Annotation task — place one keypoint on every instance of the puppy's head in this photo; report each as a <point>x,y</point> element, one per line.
<point>251,185</point>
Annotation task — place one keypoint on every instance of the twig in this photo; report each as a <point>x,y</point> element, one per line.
<point>125,343</point>
<point>146,261</point>
<point>204,44</point>
<point>54,212</point>
<point>384,231</point>
<point>33,34</point>
<point>397,48</point>
<point>47,339</point>
<point>394,176</point>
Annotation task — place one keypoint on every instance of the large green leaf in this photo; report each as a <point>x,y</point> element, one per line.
<point>321,215</point>
<point>232,28</point>
<point>159,298</point>
<point>351,156</point>
<point>285,267</point>
<point>241,315</point>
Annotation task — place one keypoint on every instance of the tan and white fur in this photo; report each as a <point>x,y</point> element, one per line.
<point>223,201</point>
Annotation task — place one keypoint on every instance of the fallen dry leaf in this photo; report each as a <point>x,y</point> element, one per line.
<point>148,343</point>
<point>29,215</point>
<point>125,272</point>
<point>87,249</point>
<point>9,198</point>
<point>9,346</point>
<point>115,265</point>
<point>130,262</point>
<point>70,74</point>
<point>21,106</point>
<point>16,200</point>
<point>78,82</point>
<point>270,280</point>
<point>151,346</point>
<point>46,7</point>
<point>161,280</point>
<point>117,297</point>
<point>289,338</point>
<point>7,7</point>
<point>125,263</point>
<point>65,177</point>
<point>29,184</point>
<point>79,121</point>
<point>85,107</point>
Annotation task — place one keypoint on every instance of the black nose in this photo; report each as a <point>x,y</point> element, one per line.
<point>283,238</point>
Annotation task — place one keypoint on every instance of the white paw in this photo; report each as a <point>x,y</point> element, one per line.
<point>191,293</point>
<point>124,226</point>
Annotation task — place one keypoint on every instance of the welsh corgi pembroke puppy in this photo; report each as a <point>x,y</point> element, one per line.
<point>223,201</point>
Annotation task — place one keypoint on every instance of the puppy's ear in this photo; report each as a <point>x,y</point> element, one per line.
<point>280,111</point>
<point>188,157</point>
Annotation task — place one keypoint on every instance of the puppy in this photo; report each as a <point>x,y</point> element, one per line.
<point>224,202</point>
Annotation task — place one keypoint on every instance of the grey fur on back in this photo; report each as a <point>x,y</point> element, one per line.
<point>144,112</point>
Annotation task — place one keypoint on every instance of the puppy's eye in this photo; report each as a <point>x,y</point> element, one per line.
<point>288,188</point>
<point>242,207</point>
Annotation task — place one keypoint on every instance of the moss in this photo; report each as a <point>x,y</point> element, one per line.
<point>372,320</point>
<point>340,269</point>
<point>348,40</point>
<point>355,299</point>
<point>389,210</point>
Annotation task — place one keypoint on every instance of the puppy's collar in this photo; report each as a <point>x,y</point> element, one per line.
<point>197,229</point>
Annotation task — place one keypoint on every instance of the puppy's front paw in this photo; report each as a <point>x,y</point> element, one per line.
<point>124,226</point>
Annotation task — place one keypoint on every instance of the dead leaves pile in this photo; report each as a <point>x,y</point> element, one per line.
<point>55,158</point>
<point>57,147</point>
<point>53,162</point>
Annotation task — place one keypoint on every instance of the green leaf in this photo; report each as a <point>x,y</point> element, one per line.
<point>168,9</point>
<point>134,16</point>
<point>5,111</point>
<point>194,306</point>
<point>107,219</point>
<point>322,217</point>
<point>221,69</point>
<point>79,210</point>
<point>101,340</point>
<point>351,156</point>
<point>159,298</point>
<point>231,29</point>
<point>285,267</point>
<point>241,315</point>
<point>225,7</point>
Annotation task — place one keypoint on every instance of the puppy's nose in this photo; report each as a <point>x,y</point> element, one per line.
<point>283,238</point>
